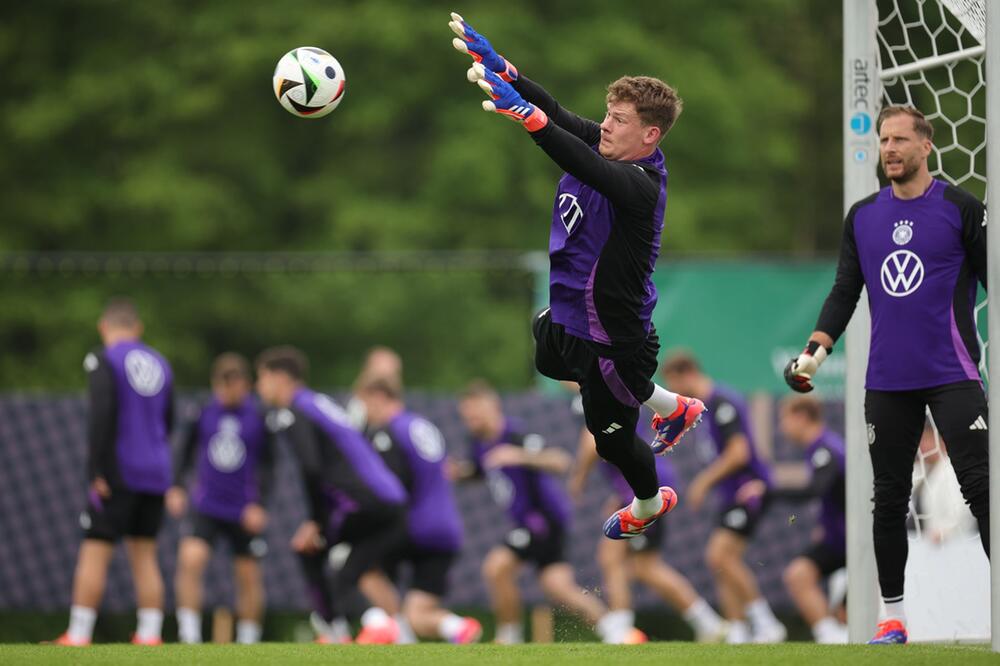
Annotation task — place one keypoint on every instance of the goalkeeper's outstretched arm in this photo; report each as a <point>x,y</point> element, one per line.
<point>627,185</point>
<point>481,51</point>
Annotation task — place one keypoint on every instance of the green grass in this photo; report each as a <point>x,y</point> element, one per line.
<point>577,654</point>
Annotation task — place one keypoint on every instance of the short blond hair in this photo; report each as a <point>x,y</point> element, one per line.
<point>921,125</point>
<point>656,102</point>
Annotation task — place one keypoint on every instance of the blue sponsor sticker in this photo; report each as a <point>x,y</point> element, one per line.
<point>861,123</point>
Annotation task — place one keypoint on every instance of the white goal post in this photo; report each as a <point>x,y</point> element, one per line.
<point>936,55</point>
<point>993,301</point>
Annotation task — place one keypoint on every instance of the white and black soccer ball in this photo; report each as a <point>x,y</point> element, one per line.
<point>309,82</point>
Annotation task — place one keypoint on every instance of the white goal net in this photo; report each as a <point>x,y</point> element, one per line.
<point>931,55</point>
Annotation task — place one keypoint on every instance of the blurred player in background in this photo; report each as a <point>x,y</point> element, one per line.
<point>732,461</point>
<point>414,450</point>
<point>801,422</point>
<point>520,473</point>
<point>380,362</point>
<point>919,246</point>
<point>128,470</point>
<point>941,512</point>
<point>640,557</point>
<point>603,244</point>
<point>356,506</point>
<point>234,450</point>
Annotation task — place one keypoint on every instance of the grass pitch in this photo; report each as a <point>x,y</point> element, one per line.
<point>577,654</point>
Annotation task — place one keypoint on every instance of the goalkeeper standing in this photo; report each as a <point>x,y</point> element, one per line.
<point>919,246</point>
<point>603,245</point>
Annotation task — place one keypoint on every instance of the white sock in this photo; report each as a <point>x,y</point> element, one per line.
<point>149,624</point>
<point>703,618</point>
<point>827,630</point>
<point>894,611</point>
<point>406,635</point>
<point>188,625</point>
<point>663,402</point>
<point>614,626</point>
<point>248,632</point>
<point>646,508</point>
<point>339,629</point>
<point>450,626</point>
<point>510,633</point>
<point>81,623</point>
<point>375,617</point>
<point>760,613</point>
<point>739,632</point>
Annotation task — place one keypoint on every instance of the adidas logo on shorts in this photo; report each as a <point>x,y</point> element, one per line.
<point>978,424</point>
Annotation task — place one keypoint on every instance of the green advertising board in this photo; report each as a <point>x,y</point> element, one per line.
<point>744,320</point>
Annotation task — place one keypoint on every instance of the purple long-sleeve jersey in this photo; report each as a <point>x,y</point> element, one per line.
<point>920,259</point>
<point>231,444</point>
<point>532,498</point>
<point>826,459</point>
<point>728,415</point>
<point>131,398</point>
<point>605,232</point>
<point>414,450</point>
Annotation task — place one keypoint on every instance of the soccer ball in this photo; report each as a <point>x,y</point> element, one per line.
<point>309,82</point>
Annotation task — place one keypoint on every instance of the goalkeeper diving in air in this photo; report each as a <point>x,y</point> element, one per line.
<point>603,244</point>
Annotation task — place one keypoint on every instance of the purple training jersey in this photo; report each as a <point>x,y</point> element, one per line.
<point>230,444</point>
<point>728,415</point>
<point>143,387</point>
<point>919,259</point>
<point>415,449</point>
<point>827,452</point>
<point>365,465</point>
<point>533,499</point>
<point>602,248</point>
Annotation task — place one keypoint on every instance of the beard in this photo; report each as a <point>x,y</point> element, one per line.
<point>910,169</point>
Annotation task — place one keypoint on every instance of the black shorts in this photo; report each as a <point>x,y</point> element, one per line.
<point>241,542</point>
<point>429,569</point>
<point>540,550</point>
<point>650,541</point>
<point>826,557</point>
<point>743,519</point>
<point>125,514</point>
<point>376,536</point>
<point>613,382</point>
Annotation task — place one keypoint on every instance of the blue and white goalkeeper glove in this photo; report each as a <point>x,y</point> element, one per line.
<point>471,42</point>
<point>507,101</point>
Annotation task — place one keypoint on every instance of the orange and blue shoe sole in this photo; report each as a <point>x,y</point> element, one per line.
<point>623,525</point>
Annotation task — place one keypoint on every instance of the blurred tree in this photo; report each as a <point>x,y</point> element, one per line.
<point>139,126</point>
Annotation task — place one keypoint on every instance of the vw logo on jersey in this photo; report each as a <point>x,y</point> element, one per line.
<point>427,440</point>
<point>500,487</point>
<point>226,451</point>
<point>902,232</point>
<point>382,441</point>
<point>569,211</point>
<point>902,273</point>
<point>144,372</point>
